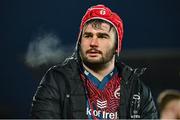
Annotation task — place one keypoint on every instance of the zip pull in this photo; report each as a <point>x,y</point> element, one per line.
<point>135,105</point>
<point>67,95</point>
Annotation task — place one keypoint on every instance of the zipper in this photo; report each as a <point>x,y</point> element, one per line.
<point>135,93</point>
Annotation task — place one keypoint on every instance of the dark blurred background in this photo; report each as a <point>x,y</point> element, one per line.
<point>35,34</point>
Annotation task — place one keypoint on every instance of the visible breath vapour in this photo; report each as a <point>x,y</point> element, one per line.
<point>45,49</point>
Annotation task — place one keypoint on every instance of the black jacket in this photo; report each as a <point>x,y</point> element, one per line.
<point>61,94</point>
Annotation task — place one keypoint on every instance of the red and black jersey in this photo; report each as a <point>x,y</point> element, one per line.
<point>103,97</point>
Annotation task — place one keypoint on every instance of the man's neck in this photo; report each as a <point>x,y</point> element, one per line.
<point>100,71</point>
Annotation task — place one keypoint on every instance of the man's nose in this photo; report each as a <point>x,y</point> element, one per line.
<point>94,42</point>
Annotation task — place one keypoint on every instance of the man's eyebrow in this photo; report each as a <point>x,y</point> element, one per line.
<point>87,33</point>
<point>103,34</point>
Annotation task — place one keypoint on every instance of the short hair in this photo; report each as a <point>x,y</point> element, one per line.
<point>96,23</point>
<point>166,96</point>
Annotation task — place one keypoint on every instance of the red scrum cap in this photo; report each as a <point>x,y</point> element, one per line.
<point>104,13</point>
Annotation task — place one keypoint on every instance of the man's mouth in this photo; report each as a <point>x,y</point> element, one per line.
<point>93,53</point>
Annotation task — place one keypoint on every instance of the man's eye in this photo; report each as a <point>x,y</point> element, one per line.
<point>87,36</point>
<point>105,37</point>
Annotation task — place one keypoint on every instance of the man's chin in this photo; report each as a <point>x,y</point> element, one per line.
<point>93,61</point>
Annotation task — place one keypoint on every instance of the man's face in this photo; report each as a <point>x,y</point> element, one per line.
<point>97,45</point>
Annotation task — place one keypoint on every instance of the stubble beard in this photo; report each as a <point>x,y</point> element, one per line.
<point>100,63</point>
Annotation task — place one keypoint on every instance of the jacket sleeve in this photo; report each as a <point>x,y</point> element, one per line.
<point>45,102</point>
<point>148,109</point>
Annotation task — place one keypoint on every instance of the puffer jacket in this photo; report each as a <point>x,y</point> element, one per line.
<point>61,94</point>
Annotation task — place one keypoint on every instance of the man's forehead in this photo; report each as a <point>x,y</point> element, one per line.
<point>103,26</point>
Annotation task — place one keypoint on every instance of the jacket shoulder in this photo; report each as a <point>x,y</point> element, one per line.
<point>68,64</point>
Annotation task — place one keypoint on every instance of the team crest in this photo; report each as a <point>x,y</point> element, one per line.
<point>102,12</point>
<point>117,93</point>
